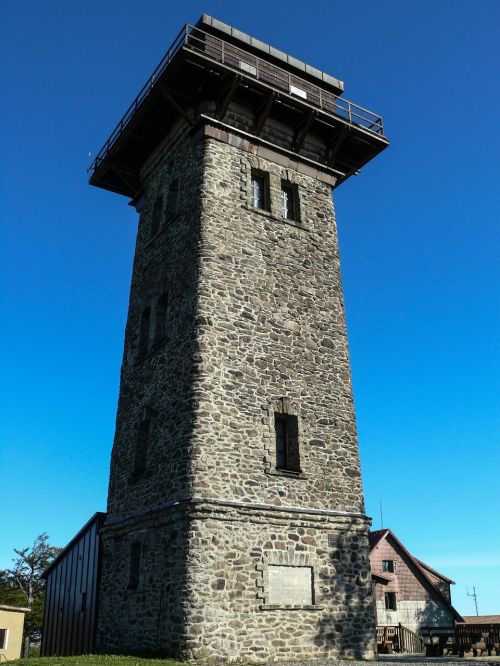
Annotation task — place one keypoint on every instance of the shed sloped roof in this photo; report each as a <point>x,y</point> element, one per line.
<point>97,517</point>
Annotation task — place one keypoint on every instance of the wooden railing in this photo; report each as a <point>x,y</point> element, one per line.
<point>461,639</point>
<point>398,638</point>
<point>197,40</point>
<point>478,638</point>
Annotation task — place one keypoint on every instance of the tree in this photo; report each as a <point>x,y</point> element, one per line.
<point>22,585</point>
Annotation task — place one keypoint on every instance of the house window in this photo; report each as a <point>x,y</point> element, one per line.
<point>389,566</point>
<point>172,199</point>
<point>287,442</point>
<point>144,332</point>
<point>390,601</point>
<point>156,216</point>
<point>161,319</point>
<point>135,565</point>
<point>289,207</point>
<point>3,639</point>
<point>141,447</point>
<point>260,190</point>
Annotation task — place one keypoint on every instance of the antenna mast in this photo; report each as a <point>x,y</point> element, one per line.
<point>475,597</point>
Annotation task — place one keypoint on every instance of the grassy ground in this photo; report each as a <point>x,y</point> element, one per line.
<point>93,660</point>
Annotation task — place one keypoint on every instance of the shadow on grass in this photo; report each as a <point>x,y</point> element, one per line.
<point>93,660</point>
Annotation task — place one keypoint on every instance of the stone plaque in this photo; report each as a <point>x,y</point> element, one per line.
<point>290,585</point>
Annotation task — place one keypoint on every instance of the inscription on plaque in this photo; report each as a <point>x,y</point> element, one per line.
<point>290,585</point>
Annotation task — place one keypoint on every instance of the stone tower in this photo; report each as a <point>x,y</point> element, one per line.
<point>236,525</point>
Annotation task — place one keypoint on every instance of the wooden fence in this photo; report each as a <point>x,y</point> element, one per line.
<point>462,639</point>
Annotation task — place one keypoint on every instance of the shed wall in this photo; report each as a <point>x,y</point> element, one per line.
<point>71,597</point>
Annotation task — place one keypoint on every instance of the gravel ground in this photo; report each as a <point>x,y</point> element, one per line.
<point>404,660</point>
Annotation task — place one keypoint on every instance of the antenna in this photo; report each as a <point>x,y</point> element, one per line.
<point>381,516</point>
<point>473,595</point>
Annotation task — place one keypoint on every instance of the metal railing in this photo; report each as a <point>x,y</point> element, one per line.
<point>142,96</point>
<point>231,56</point>
<point>277,77</point>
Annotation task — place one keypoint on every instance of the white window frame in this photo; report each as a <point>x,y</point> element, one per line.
<point>6,640</point>
<point>257,192</point>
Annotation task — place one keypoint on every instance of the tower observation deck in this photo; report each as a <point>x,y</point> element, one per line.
<point>213,62</point>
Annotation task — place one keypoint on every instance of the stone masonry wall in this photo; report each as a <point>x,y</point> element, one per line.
<point>254,326</point>
<point>159,383</point>
<point>230,616</point>
<point>149,618</point>
<point>271,326</point>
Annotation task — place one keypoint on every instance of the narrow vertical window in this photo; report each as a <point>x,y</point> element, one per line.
<point>172,199</point>
<point>144,332</point>
<point>141,447</point>
<point>161,319</point>
<point>257,192</point>
<point>287,443</point>
<point>260,190</point>
<point>156,216</point>
<point>134,566</point>
<point>289,208</point>
<point>280,428</point>
<point>3,639</point>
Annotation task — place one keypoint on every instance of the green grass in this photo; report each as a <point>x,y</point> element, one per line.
<point>94,660</point>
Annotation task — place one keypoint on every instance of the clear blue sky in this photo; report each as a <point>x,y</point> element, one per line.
<point>419,246</point>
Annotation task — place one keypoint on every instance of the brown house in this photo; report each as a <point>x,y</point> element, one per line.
<point>409,592</point>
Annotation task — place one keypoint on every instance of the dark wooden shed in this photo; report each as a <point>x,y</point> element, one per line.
<point>71,594</point>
